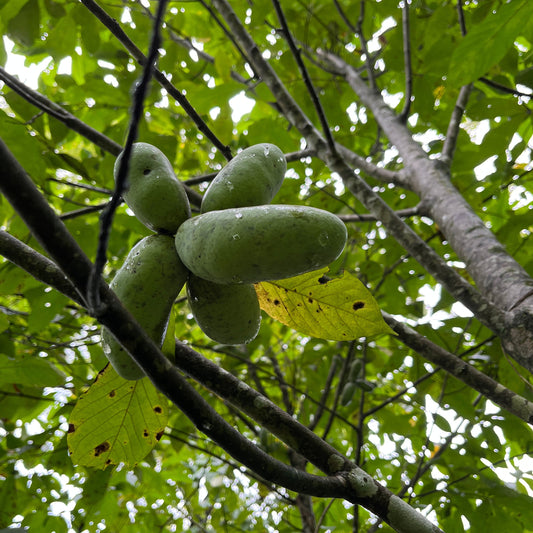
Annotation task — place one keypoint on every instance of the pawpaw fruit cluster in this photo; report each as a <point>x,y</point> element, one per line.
<point>239,238</point>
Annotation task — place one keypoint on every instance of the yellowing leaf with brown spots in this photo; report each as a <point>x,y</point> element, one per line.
<point>338,309</point>
<point>116,421</point>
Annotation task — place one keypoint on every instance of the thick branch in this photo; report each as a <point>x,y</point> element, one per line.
<point>494,391</point>
<point>425,255</point>
<point>291,110</point>
<point>348,481</point>
<point>498,277</point>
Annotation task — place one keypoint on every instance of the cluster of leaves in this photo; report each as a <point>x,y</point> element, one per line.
<point>440,444</point>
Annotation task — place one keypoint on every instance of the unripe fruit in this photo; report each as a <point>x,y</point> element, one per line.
<point>260,243</point>
<point>229,314</point>
<point>348,392</point>
<point>154,194</point>
<point>147,284</point>
<point>252,177</point>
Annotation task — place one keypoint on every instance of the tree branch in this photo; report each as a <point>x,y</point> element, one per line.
<point>305,75</point>
<point>56,111</point>
<point>106,218</point>
<point>286,102</point>
<point>404,115</point>
<point>452,133</point>
<point>346,480</point>
<point>457,286</point>
<point>114,27</point>
<point>498,277</point>
<point>494,391</point>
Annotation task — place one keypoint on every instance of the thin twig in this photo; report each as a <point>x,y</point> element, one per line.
<point>106,218</point>
<point>504,88</point>
<point>452,132</point>
<point>404,115</point>
<point>461,16</point>
<point>366,217</point>
<point>305,75</point>
<point>114,27</point>
<point>56,111</point>
<point>325,393</point>
<point>83,211</point>
<point>362,39</point>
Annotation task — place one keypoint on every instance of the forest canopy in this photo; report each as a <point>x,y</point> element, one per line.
<point>389,389</point>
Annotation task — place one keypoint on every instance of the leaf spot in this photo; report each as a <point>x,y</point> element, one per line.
<point>71,428</point>
<point>358,305</point>
<point>101,448</point>
<point>158,409</point>
<point>276,302</point>
<point>159,435</point>
<point>112,393</point>
<point>145,433</point>
<point>323,280</point>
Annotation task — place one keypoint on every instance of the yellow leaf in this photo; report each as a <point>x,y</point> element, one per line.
<point>115,421</point>
<point>333,309</point>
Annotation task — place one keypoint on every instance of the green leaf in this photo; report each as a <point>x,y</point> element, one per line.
<point>116,421</point>
<point>24,27</point>
<point>487,42</point>
<point>334,309</point>
<point>33,371</point>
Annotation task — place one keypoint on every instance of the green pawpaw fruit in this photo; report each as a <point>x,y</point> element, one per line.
<point>348,392</point>
<point>154,194</point>
<point>252,177</point>
<point>147,284</point>
<point>229,314</point>
<point>259,243</point>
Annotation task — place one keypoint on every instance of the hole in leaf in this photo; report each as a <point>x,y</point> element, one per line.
<point>158,409</point>
<point>323,280</point>
<point>159,435</point>
<point>71,428</point>
<point>358,305</point>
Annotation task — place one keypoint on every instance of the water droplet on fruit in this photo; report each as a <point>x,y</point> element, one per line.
<point>238,215</point>
<point>236,237</point>
<point>267,151</point>
<point>229,185</point>
<point>323,239</point>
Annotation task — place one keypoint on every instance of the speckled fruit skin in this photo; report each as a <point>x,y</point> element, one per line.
<point>154,194</point>
<point>259,243</point>
<point>252,177</point>
<point>229,314</point>
<point>147,284</point>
